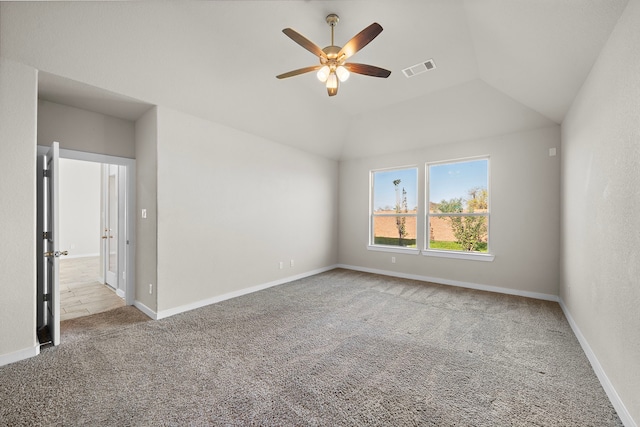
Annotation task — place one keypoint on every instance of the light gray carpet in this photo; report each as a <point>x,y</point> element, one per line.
<point>339,348</point>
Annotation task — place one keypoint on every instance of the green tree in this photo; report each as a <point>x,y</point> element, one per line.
<point>477,199</point>
<point>469,231</point>
<point>451,206</point>
<point>401,206</point>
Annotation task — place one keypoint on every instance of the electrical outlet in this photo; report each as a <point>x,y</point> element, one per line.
<point>291,263</point>
<point>393,260</point>
<point>150,288</point>
<point>281,265</point>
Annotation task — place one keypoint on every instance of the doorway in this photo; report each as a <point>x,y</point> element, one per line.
<point>95,230</point>
<point>91,215</point>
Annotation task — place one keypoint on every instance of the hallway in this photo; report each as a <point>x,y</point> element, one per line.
<point>81,293</point>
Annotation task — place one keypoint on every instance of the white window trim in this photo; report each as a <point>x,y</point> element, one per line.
<point>387,248</point>
<point>438,253</point>
<point>472,256</point>
<point>395,249</point>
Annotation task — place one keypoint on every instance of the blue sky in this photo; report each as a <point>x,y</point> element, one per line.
<point>453,180</point>
<point>385,192</point>
<point>446,181</point>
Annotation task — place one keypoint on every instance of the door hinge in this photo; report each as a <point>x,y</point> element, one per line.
<point>46,234</point>
<point>46,297</point>
<point>46,173</point>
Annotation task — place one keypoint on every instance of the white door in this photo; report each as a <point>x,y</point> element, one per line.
<point>50,287</point>
<point>110,215</point>
<point>114,226</point>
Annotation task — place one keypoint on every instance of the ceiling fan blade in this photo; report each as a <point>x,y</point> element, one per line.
<point>304,42</point>
<point>360,40</point>
<point>299,71</point>
<point>367,70</point>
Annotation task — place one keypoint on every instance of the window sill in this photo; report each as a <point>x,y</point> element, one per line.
<point>398,250</point>
<point>472,256</point>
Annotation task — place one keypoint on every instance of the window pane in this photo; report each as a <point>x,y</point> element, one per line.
<point>458,233</point>
<point>459,187</point>
<point>394,231</point>
<point>395,191</point>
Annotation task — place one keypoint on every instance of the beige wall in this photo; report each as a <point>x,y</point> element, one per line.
<point>231,206</point>
<point>525,213</point>
<point>18,109</point>
<point>146,193</point>
<point>600,282</point>
<point>80,208</point>
<point>82,130</point>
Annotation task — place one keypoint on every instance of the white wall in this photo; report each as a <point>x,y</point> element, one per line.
<point>231,206</point>
<point>79,204</point>
<point>18,92</point>
<point>82,130</point>
<point>600,283</point>
<point>524,223</point>
<point>146,198</point>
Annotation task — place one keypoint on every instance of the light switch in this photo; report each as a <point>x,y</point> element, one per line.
<point>144,213</point>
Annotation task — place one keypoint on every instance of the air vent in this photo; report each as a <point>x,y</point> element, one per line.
<point>420,68</point>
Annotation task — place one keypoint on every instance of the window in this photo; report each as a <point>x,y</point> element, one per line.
<point>458,206</point>
<point>394,205</point>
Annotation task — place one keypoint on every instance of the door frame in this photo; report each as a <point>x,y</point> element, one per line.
<point>130,209</point>
<point>105,222</point>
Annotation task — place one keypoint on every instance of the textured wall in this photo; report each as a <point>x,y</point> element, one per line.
<point>600,282</point>
<point>18,92</point>
<point>82,130</point>
<point>525,213</point>
<point>146,195</point>
<point>231,206</point>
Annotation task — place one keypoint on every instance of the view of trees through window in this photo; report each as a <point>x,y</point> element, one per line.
<point>458,213</point>
<point>394,209</point>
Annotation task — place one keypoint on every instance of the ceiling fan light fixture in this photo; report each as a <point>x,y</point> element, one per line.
<point>332,81</point>
<point>342,73</point>
<point>333,69</point>
<point>323,73</point>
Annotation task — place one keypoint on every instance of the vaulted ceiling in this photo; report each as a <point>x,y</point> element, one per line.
<point>501,65</point>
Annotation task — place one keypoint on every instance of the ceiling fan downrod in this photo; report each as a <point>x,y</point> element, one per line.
<point>332,19</point>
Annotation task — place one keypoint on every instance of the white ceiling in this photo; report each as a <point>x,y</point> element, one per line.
<point>502,65</point>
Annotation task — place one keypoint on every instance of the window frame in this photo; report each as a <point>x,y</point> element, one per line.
<point>456,254</point>
<point>372,246</point>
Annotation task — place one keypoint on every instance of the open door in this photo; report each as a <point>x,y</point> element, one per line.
<point>114,223</point>
<point>48,251</point>
<point>110,218</point>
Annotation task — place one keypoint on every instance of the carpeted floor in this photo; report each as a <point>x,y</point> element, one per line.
<point>338,348</point>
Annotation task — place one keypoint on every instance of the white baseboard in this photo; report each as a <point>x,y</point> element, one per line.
<point>469,285</point>
<point>617,403</point>
<point>120,293</point>
<point>82,256</point>
<point>187,307</point>
<point>19,355</point>
<point>146,310</point>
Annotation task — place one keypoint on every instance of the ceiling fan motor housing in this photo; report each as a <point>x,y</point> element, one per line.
<point>332,59</point>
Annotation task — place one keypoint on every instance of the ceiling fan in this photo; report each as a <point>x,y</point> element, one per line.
<point>333,68</point>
